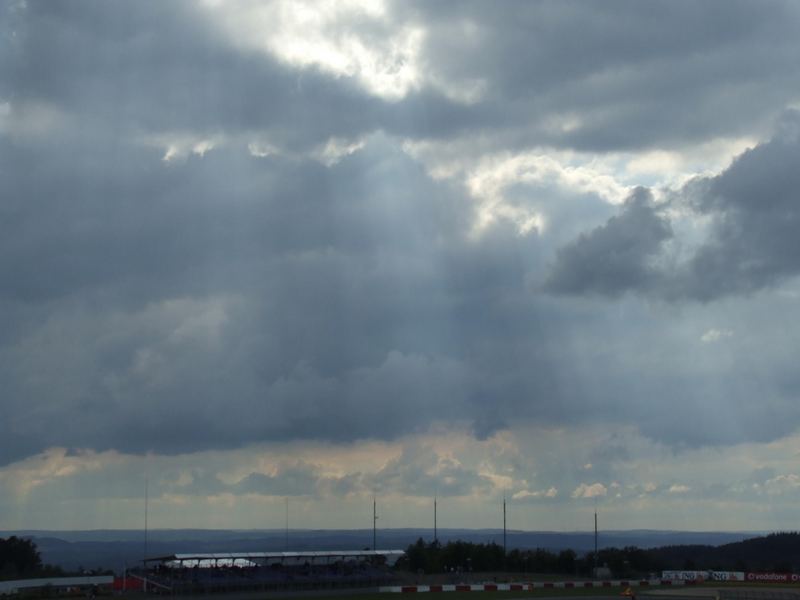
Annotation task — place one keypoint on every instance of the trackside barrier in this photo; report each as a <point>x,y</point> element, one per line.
<point>149,583</point>
<point>520,587</point>
<point>14,587</point>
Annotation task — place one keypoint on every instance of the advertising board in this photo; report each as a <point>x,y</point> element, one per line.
<point>727,575</point>
<point>685,575</point>
<point>772,577</point>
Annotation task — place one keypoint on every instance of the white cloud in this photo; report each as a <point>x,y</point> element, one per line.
<point>675,166</point>
<point>22,478</point>
<point>179,145</point>
<point>715,335</point>
<point>782,484</point>
<point>383,57</point>
<point>677,488</point>
<point>335,149</point>
<point>594,490</point>
<point>262,149</point>
<point>550,492</point>
<point>488,180</point>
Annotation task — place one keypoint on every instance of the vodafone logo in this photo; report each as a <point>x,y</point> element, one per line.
<point>773,577</point>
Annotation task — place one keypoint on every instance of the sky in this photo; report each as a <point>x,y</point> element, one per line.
<point>330,251</point>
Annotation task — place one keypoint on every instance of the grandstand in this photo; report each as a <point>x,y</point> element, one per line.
<point>261,571</point>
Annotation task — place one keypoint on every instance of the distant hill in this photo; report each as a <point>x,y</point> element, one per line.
<point>114,549</point>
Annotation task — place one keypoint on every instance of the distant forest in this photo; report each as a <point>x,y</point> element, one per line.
<point>779,552</point>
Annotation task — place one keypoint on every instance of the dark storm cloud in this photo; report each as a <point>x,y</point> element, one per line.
<point>755,205</point>
<point>150,67</point>
<point>751,243</point>
<point>616,256</point>
<point>222,299</point>
<point>626,75</point>
<point>319,301</point>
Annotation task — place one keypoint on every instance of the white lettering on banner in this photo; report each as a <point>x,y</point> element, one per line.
<point>773,577</point>
<point>727,575</point>
<point>686,575</point>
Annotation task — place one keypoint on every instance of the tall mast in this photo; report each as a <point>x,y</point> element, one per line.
<point>145,517</point>
<point>504,525</point>
<point>435,532</point>
<point>374,524</point>
<point>595,537</point>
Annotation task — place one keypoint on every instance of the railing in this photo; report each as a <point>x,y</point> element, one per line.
<point>149,582</point>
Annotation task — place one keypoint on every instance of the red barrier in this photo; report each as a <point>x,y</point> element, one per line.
<point>128,584</point>
<point>436,588</point>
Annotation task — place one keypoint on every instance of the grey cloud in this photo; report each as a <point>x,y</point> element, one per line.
<point>640,76</point>
<point>751,243</point>
<point>225,299</point>
<point>761,475</point>
<point>410,473</point>
<point>319,292</point>
<point>167,68</point>
<point>754,204</point>
<point>614,257</point>
<point>270,299</point>
<point>150,68</point>
<point>288,479</point>
<point>203,481</point>
<point>291,480</point>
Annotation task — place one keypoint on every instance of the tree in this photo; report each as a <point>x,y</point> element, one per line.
<point>18,557</point>
<point>566,561</point>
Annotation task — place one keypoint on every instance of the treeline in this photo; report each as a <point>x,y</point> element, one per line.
<point>432,557</point>
<point>20,559</point>
<point>778,552</point>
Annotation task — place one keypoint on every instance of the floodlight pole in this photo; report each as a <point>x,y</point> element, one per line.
<point>144,561</point>
<point>504,527</point>
<point>145,519</point>
<point>374,524</point>
<point>595,537</point>
<point>435,533</point>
